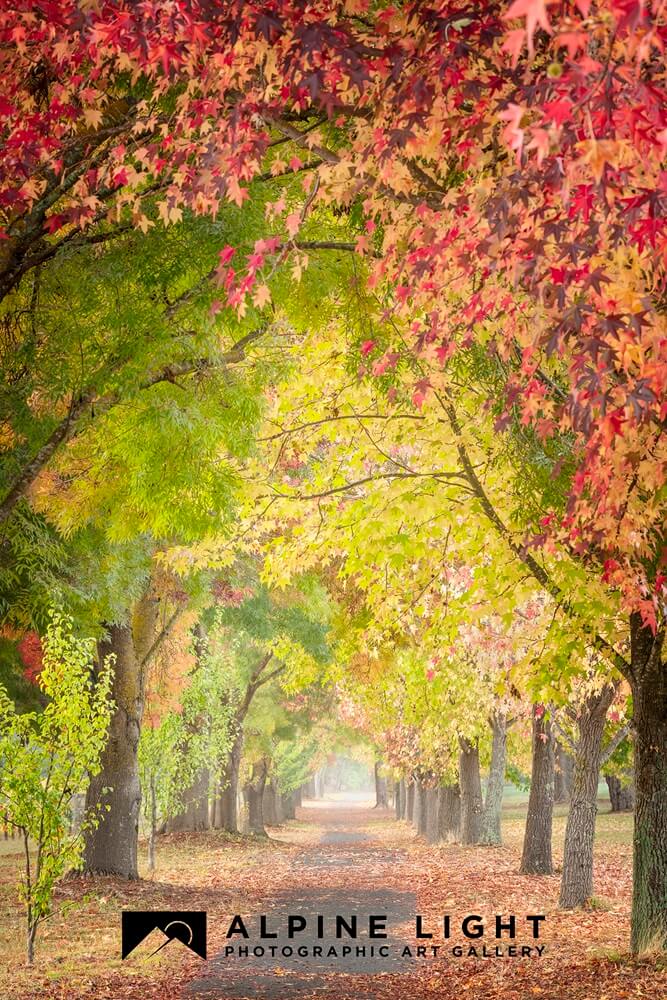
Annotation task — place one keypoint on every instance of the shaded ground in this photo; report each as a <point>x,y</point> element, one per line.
<point>329,861</point>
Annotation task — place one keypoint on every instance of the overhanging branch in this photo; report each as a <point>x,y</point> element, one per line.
<point>98,405</point>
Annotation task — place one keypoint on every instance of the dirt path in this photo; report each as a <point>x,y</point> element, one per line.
<point>356,860</point>
<point>330,878</point>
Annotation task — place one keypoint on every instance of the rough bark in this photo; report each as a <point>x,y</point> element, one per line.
<point>493,803</point>
<point>621,792</point>
<point>648,679</point>
<point>577,878</point>
<point>536,858</point>
<point>564,767</point>
<point>472,805</point>
<point>115,793</point>
<point>449,812</point>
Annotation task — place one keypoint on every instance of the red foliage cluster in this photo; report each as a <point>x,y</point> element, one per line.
<point>30,651</point>
<point>225,594</point>
<point>510,163</point>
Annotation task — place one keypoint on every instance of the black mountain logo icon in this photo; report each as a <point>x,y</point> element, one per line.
<point>186,926</point>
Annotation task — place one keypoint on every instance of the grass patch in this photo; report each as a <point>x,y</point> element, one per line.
<point>598,903</point>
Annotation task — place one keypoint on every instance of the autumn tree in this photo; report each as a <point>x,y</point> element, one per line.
<point>260,637</point>
<point>46,757</point>
<point>156,366</point>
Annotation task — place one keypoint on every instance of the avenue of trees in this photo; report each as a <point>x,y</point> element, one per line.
<point>333,348</point>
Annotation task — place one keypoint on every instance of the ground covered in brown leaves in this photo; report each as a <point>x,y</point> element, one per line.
<point>338,859</point>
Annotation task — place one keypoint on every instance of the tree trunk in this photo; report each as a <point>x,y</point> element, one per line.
<point>417,806</point>
<point>153,828</point>
<point>287,804</point>
<point>30,943</point>
<point>309,788</point>
<point>227,806</point>
<point>564,766</point>
<point>115,793</point>
<point>493,804</point>
<point>421,809</point>
<point>278,806</point>
<point>228,811</point>
<point>194,814</point>
<point>614,787</point>
<point>399,799</point>
<point>621,793</point>
<point>449,812</point>
<point>577,879</point>
<point>200,807</point>
<point>269,805</point>
<point>254,791</point>
<point>648,679</point>
<point>410,801</point>
<point>215,807</point>
<point>432,818</point>
<point>380,788</point>
<point>536,858</point>
<point>470,782</point>
<point>77,813</point>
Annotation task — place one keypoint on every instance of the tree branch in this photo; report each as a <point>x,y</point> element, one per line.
<point>268,176</point>
<point>615,742</point>
<point>349,416</point>
<point>160,637</point>
<point>563,736</point>
<point>269,677</point>
<point>299,137</point>
<point>102,404</point>
<point>32,468</point>
<point>520,551</point>
<point>251,688</point>
<point>369,479</point>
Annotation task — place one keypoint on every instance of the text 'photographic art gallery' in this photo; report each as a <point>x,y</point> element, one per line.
<point>334,932</point>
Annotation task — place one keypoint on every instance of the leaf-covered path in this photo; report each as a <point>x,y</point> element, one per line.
<point>330,879</point>
<point>339,859</point>
<point>355,860</point>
